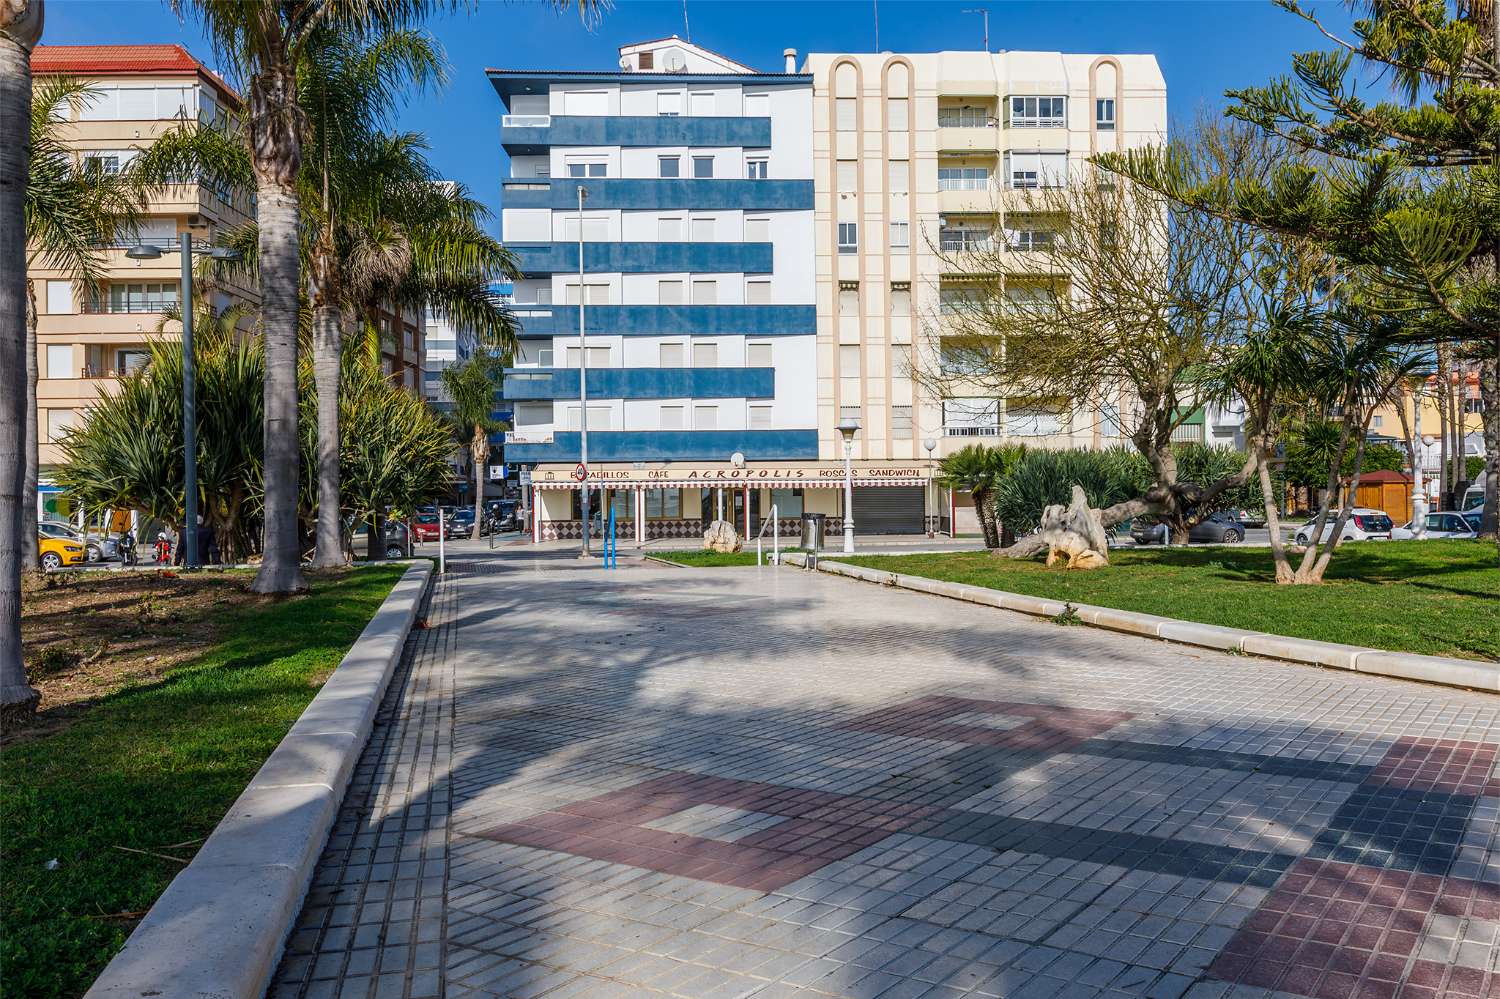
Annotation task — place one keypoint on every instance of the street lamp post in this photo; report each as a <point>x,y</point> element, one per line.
<point>848,427</point>
<point>146,251</point>
<point>583,388</point>
<point>927,494</point>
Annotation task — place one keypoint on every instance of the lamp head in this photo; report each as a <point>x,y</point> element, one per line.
<point>737,459</point>
<point>930,445</point>
<point>223,253</point>
<point>145,251</point>
<point>849,426</point>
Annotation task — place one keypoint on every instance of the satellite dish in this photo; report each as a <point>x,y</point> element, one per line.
<point>673,61</point>
<point>625,62</point>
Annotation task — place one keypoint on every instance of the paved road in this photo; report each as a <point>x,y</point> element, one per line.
<point>762,783</point>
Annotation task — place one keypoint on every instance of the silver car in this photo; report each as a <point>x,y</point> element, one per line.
<point>1442,524</point>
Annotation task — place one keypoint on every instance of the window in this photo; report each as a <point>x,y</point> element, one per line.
<point>757,105</point>
<point>758,355</point>
<point>757,230</point>
<point>963,178</point>
<point>586,169</point>
<point>1038,112</point>
<point>849,361</point>
<point>669,292</point>
<point>847,176</point>
<point>1029,239</point>
<point>895,114</point>
<point>757,168</point>
<point>703,230</point>
<point>669,355</point>
<point>668,166</point>
<point>665,504</point>
<point>672,418</point>
<point>848,413</point>
<point>1034,170</point>
<point>703,167</point>
<point>544,296</point>
<point>901,423</point>
<point>593,294</point>
<point>601,417</point>
<point>967,116</point>
<point>669,104</point>
<point>595,228</point>
<point>128,361</point>
<point>669,230</point>
<point>409,339</point>
<point>900,176</point>
<point>848,237</point>
<point>964,238</point>
<point>971,417</point>
<point>544,357</point>
<point>788,503</point>
<point>760,417</point>
<point>705,354</point>
<point>706,292</point>
<point>543,170</point>
<point>647,60</point>
<point>151,297</point>
<point>586,103</point>
<point>701,105</point>
<point>758,292</point>
<point>705,417</point>
<point>59,422</point>
<point>102,163</point>
<point>1033,421</point>
<point>59,298</point>
<point>598,357</point>
<point>900,235</point>
<point>845,113</point>
<point>900,301</point>
<point>60,361</point>
<point>1104,114</point>
<point>959,298</point>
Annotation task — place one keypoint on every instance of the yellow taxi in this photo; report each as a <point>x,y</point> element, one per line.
<point>58,552</point>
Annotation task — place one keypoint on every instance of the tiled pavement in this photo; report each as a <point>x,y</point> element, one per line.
<point>718,783</point>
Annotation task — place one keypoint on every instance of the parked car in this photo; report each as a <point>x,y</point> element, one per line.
<point>462,520</point>
<point>1219,528</point>
<point>1364,524</point>
<point>58,552</point>
<point>425,527</point>
<point>397,540</point>
<point>1251,518</point>
<point>96,549</point>
<point>1441,524</point>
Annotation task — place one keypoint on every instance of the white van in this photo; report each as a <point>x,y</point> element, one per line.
<point>1473,498</point>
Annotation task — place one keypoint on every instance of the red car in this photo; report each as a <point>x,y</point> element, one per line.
<point>427,527</point>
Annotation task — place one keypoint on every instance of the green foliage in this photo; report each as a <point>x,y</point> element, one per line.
<point>1473,467</point>
<point>978,469</point>
<point>1312,446</point>
<point>1383,458</point>
<point>1042,478</point>
<point>1205,464</point>
<point>153,765</point>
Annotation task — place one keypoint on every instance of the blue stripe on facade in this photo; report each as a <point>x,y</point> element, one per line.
<point>656,320</point>
<point>671,445</point>
<point>655,193</point>
<point>537,259</point>
<point>508,82</point>
<point>642,383</point>
<point>642,130</point>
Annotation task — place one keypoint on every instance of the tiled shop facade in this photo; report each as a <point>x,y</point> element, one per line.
<point>811,786</point>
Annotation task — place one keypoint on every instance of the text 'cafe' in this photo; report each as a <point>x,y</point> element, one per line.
<point>680,500</point>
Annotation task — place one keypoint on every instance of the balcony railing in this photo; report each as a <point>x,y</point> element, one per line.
<point>107,371</point>
<point>138,307</point>
<point>526,121</point>
<point>964,240</point>
<point>990,431</point>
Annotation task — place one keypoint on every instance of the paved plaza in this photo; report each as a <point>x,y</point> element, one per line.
<point>741,782</point>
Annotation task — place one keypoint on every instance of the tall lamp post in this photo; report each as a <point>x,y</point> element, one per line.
<point>849,426</point>
<point>927,494</point>
<point>583,389</point>
<point>146,251</point>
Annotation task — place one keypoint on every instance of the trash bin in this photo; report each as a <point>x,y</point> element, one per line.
<point>812,532</point>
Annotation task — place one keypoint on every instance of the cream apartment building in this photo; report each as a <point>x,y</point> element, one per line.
<point>915,153</point>
<point>89,336</point>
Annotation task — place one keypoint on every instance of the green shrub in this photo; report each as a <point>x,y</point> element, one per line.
<point>1042,478</point>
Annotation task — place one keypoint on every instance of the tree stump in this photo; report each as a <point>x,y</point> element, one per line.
<point>1075,530</point>
<point>721,537</point>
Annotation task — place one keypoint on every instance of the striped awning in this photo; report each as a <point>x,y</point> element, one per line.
<point>739,484</point>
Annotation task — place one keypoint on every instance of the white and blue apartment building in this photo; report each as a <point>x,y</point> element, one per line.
<point>760,263</point>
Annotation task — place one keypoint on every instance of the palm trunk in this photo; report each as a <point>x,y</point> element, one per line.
<point>20,27</point>
<point>480,451</point>
<point>30,555</point>
<point>984,510</point>
<point>326,348</point>
<point>280,568</point>
<point>1489,391</point>
<point>1284,573</point>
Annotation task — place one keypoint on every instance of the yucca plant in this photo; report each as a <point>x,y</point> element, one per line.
<point>1043,478</point>
<point>978,469</point>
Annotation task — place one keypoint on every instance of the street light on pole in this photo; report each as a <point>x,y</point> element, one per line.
<point>931,445</point>
<point>146,251</point>
<point>849,426</point>
<point>583,389</point>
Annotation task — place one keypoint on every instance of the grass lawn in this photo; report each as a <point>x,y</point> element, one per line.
<point>711,560</point>
<point>153,765</point>
<point>1434,597</point>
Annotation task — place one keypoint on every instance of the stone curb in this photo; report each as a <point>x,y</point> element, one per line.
<point>218,930</point>
<point>1466,673</point>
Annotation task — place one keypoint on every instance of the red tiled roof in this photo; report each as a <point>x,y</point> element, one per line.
<point>121,60</point>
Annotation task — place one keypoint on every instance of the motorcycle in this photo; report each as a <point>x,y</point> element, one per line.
<point>127,549</point>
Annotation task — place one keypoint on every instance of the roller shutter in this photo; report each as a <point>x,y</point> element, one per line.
<point>888,510</point>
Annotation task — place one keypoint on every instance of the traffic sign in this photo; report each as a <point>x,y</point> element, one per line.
<point>581,472</point>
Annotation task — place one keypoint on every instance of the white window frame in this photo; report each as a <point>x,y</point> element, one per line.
<point>848,237</point>
<point>661,167</point>
<point>698,165</point>
<point>669,104</point>
<point>757,168</point>
<point>900,235</point>
<point>1104,114</point>
<point>1030,111</point>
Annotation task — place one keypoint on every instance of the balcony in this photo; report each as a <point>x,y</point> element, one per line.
<point>540,259</point>
<point>651,193</point>
<point>641,383</point>
<point>968,140</point>
<point>665,445</point>
<point>539,320</point>
<point>622,130</point>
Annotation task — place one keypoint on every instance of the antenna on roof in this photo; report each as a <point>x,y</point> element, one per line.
<point>687,29</point>
<point>876,5</point>
<point>983,11</point>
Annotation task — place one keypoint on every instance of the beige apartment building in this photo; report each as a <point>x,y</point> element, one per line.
<point>90,336</point>
<point>913,154</point>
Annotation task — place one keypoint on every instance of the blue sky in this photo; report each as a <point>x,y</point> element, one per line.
<point>1204,46</point>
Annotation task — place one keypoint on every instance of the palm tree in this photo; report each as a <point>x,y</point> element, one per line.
<point>472,386</point>
<point>20,30</point>
<point>266,42</point>
<point>978,468</point>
